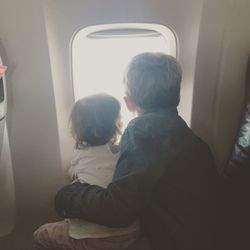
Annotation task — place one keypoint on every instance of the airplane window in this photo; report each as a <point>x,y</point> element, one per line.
<point>1,91</point>
<point>101,53</point>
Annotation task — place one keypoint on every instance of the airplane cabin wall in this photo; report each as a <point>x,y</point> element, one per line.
<point>35,41</point>
<point>231,83</point>
<point>223,50</point>
<point>64,18</point>
<point>31,119</point>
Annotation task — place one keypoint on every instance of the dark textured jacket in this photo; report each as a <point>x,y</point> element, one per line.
<point>166,176</point>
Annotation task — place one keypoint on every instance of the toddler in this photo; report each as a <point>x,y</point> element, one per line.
<point>95,126</point>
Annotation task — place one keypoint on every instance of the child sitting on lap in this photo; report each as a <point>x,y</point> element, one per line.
<point>95,124</point>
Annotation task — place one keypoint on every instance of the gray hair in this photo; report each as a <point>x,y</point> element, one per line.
<point>153,80</point>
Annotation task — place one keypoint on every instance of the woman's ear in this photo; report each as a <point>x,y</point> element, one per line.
<point>131,106</point>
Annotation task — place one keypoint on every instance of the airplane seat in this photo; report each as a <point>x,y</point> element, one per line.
<point>235,192</point>
<point>140,244</point>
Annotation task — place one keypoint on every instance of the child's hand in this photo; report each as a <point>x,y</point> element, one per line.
<point>3,68</point>
<point>74,177</point>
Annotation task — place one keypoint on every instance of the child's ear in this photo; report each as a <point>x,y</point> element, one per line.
<point>131,106</point>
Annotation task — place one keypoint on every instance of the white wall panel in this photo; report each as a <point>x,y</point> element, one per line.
<point>64,18</point>
<point>31,121</point>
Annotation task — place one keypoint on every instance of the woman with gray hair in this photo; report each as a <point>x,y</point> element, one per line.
<point>165,175</point>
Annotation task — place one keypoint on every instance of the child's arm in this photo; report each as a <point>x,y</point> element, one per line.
<point>72,172</point>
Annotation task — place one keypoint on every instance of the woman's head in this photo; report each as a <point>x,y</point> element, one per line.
<point>94,120</point>
<point>153,81</point>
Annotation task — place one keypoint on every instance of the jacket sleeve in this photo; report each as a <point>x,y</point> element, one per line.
<point>125,198</point>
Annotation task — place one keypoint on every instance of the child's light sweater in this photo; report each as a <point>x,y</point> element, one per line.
<point>95,165</point>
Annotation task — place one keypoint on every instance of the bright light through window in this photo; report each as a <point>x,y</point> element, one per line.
<point>100,59</point>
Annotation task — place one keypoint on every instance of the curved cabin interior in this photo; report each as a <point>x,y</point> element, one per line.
<point>59,51</point>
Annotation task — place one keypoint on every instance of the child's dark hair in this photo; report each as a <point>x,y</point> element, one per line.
<point>94,120</point>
